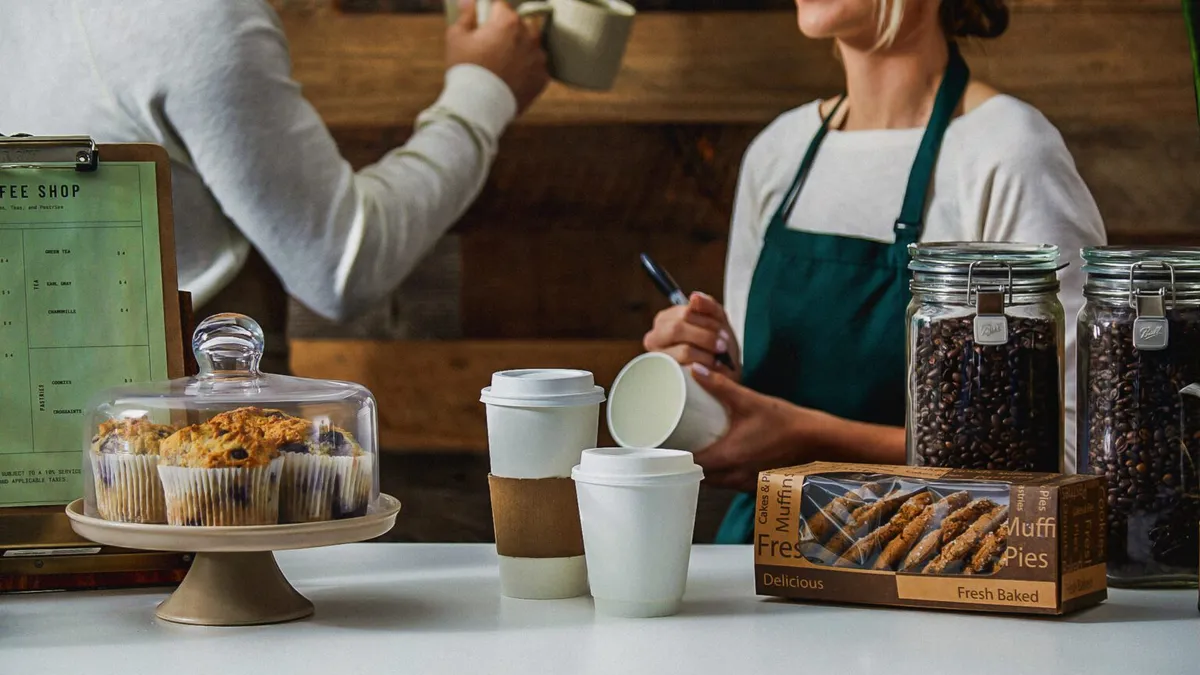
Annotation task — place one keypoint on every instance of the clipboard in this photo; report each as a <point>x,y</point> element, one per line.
<point>38,548</point>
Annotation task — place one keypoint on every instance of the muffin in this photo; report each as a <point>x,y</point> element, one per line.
<point>325,477</point>
<point>220,474</point>
<point>275,426</point>
<point>125,457</point>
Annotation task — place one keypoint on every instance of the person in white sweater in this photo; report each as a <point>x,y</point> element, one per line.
<point>817,237</point>
<point>253,165</point>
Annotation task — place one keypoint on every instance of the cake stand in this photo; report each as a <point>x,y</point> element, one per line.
<point>234,579</point>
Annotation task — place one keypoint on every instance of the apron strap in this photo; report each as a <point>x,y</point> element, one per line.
<point>793,193</point>
<point>916,197</point>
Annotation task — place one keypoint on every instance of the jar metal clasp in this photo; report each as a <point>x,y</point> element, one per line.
<point>991,324</point>
<point>1151,332</point>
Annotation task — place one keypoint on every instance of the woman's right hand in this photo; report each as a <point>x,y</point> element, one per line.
<point>696,333</point>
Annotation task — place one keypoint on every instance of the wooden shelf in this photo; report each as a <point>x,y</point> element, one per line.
<point>1108,65</point>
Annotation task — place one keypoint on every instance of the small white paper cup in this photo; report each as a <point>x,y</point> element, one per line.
<point>222,497</point>
<point>128,489</point>
<point>638,511</point>
<point>656,403</point>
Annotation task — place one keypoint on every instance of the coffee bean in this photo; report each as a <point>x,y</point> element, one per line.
<point>986,406</point>
<point>1130,418</point>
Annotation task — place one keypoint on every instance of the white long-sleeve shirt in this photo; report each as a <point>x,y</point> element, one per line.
<point>252,162</point>
<point>1003,175</point>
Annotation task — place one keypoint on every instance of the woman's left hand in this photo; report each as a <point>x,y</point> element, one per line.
<point>764,433</point>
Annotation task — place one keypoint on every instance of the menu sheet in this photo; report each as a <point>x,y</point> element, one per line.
<point>81,309</point>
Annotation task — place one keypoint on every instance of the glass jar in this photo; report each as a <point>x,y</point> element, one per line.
<point>232,445</point>
<point>1139,347</point>
<point>985,357</point>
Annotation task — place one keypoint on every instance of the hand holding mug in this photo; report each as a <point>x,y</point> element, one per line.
<point>504,44</point>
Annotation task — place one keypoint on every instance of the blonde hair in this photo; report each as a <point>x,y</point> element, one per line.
<point>959,19</point>
<point>891,16</point>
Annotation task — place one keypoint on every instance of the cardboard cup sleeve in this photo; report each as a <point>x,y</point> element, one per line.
<point>536,518</point>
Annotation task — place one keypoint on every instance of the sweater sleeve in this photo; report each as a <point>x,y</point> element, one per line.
<point>338,240</point>
<point>1033,193</point>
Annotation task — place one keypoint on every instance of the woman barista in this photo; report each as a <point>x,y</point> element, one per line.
<point>817,280</point>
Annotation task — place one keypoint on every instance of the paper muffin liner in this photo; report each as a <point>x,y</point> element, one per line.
<point>128,489</point>
<point>226,496</point>
<point>319,487</point>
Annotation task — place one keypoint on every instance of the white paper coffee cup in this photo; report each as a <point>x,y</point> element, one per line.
<point>656,403</point>
<point>638,510</point>
<point>539,422</point>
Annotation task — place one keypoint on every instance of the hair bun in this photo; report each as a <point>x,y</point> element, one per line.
<point>974,18</point>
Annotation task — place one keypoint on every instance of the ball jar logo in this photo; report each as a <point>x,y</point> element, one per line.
<point>1150,333</point>
<point>991,329</point>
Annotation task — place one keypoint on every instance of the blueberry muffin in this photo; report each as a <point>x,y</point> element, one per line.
<point>275,426</point>
<point>220,474</point>
<point>125,457</point>
<point>326,476</point>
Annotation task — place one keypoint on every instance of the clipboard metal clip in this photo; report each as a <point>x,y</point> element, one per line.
<point>22,151</point>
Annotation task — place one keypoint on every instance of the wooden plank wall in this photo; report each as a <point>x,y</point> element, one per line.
<point>544,264</point>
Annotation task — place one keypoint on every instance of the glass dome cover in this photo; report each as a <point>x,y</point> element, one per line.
<point>231,445</point>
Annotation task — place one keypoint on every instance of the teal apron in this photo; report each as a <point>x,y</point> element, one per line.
<point>825,322</point>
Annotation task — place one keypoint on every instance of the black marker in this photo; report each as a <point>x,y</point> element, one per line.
<point>666,284</point>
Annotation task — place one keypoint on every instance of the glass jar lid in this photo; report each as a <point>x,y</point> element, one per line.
<point>965,266</point>
<point>228,349</point>
<point>1119,272</point>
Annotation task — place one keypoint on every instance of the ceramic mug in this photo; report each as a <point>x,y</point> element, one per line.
<point>585,40</point>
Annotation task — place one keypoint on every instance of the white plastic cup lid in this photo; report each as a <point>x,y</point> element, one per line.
<point>636,466</point>
<point>542,388</point>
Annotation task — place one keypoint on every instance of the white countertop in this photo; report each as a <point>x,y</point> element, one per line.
<point>417,608</point>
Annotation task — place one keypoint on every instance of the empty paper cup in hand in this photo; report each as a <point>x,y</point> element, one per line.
<point>655,403</point>
<point>638,510</point>
<point>539,422</point>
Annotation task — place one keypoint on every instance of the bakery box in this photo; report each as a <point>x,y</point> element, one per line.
<point>1030,543</point>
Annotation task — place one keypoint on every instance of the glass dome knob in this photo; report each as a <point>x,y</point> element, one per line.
<point>228,344</point>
